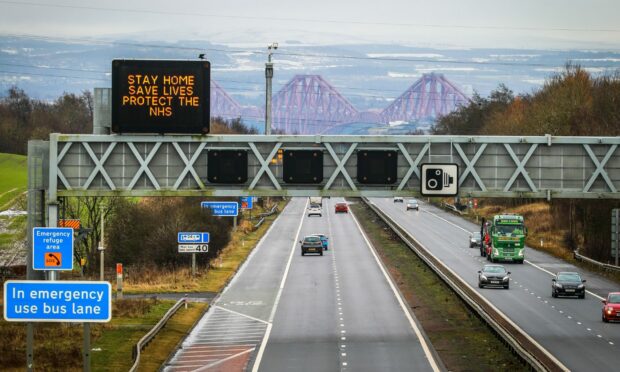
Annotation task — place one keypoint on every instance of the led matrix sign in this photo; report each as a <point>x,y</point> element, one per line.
<point>160,96</point>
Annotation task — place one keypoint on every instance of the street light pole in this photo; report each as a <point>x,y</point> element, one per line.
<point>268,79</point>
<point>101,245</point>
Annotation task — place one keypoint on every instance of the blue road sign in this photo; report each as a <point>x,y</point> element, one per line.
<point>222,208</point>
<point>52,248</point>
<point>193,237</point>
<point>247,202</point>
<point>57,301</point>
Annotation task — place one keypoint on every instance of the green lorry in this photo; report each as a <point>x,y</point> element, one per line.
<point>504,238</point>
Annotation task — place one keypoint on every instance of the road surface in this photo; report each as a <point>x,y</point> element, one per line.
<point>569,328</point>
<point>285,312</point>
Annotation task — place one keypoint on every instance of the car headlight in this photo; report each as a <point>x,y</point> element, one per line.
<point>580,286</point>
<point>505,278</point>
<point>558,285</point>
<point>521,252</point>
<point>609,310</point>
<point>482,277</point>
<point>496,252</point>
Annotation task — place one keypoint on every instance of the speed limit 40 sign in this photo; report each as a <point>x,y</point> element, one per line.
<point>193,248</point>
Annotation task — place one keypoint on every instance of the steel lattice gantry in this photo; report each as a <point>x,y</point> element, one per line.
<point>534,167</point>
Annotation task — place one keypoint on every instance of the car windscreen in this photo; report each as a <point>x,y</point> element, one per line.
<point>614,299</point>
<point>477,235</point>
<point>569,278</point>
<point>494,270</point>
<point>412,202</point>
<point>312,239</point>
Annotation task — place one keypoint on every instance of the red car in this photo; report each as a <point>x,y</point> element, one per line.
<point>342,208</point>
<point>611,307</point>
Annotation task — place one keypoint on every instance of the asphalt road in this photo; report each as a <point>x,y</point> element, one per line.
<point>285,312</point>
<point>337,312</point>
<point>569,328</point>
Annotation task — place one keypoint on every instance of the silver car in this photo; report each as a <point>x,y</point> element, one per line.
<point>475,239</point>
<point>413,204</point>
<point>314,211</point>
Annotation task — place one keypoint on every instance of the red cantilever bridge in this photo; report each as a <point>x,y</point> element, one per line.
<point>308,104</point>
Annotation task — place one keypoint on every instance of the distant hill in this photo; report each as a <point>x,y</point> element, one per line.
<point>369,76</point>
<point>13,177</point>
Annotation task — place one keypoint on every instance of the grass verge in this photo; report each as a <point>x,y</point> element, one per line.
<point>13,182</point>
<point>213,279</point>
<point>462,340</point>
<point>58,346</point>
<point>168,338</point>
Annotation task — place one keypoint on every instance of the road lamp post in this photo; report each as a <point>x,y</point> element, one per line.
<point>268,78</point>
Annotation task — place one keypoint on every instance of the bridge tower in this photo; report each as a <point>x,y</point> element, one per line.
<point>428,98</point>
<point>222,104</point>
<point>308,104</point>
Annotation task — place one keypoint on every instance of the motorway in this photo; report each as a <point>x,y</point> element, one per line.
<point>285,312</point>
<point>569,328</point>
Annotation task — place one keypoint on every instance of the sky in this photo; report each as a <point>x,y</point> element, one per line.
<point>522,24</point>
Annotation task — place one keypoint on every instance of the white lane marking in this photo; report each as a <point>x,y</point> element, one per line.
<point>414,326</point>
<point>526,261</point>
<point>552,274</point>
<point>263,345</point>
<point>551,356</point>
<point>240,314</point>
<point>224,360</point>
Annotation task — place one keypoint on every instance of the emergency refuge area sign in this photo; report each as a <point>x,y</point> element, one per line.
<point>247,202</point>
<point>161,96</point>
<point>52,248</point>
<point>57,301</point>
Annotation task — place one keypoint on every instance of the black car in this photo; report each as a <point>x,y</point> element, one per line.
<point>568,284</point>
<point>311,244</point>
<point>493,275</point>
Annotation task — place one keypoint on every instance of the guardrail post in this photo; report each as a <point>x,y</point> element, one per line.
<point>86,348</point>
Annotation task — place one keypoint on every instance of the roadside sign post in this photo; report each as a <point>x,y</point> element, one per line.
<point>615,234</point>
<point>86,348</point>
<point>52,248</point>
<point>193,242</point>
<point>193,264</point>
<point>61,301</point>
<point>119,280</point>
<point>222,209</point>
<point>101,247</point>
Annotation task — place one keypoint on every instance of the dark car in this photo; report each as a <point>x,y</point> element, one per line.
<point>475,239</point>
<point>493,275</point>
<point>341,208</point>
<point>611,307</point>
<point>311,244</point>
<point>568,284</point>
